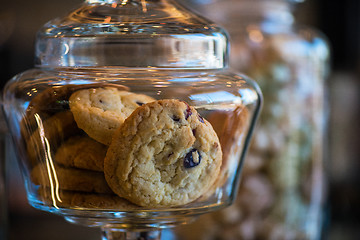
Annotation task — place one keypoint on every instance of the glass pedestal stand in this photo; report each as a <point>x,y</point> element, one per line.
<point>131,225</point>
<point>115,234</point>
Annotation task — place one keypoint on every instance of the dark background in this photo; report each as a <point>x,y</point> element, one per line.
<point>338,20</point>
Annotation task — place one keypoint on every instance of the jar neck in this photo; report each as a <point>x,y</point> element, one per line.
<point>135,33</point>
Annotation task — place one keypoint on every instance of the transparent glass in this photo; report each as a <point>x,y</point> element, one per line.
<point>283,190</point>
<point>134,33</point>
<point>150,51</point>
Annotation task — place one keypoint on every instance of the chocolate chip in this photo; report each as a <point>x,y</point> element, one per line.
<point>188,112</point>
<point>175,118</point>
<point>192,159</point>
<point>140,103</point>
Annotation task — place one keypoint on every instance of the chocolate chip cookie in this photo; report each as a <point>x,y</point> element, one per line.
<point>100,111</point>
<point>82,152</point>
<point>59,177</point>
<point>51,101</point>
<point>49,134</point>
<point>164,154</point>
<point>232,127</point>
<point>74,199</point>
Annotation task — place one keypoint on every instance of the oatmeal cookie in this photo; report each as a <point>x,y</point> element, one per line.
<point>164,154</point>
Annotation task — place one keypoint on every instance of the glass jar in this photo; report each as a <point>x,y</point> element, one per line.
<point>282,193</point>
<point>135,88</point>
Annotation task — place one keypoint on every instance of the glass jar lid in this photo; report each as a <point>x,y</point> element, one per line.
<point>131,33</point>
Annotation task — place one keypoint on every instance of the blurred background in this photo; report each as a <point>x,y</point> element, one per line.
<point>338,20</point>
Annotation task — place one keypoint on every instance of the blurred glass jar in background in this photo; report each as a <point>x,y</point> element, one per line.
<point>282,192</point>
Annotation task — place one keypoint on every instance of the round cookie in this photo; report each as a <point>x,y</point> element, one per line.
<point>165,154</point>
<point>231,128</point>
<point>104,201</point>
<point>99,111</point>
<point>82,152</point>
<point>73,199</point>
<point>51,101</point>
<point>56,176</point>
<point>49,134</point>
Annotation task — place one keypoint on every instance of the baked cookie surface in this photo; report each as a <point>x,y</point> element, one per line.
<point>57,176</point>
<point>231,127</point>
<point>82,152</point>
<point>100,111</point>
<point>49,134</point>
<point>51,101</point>
<point>74,199</point>
<point>165,154</point>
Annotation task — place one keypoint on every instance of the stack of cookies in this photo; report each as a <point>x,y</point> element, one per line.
<point>106,147</point>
